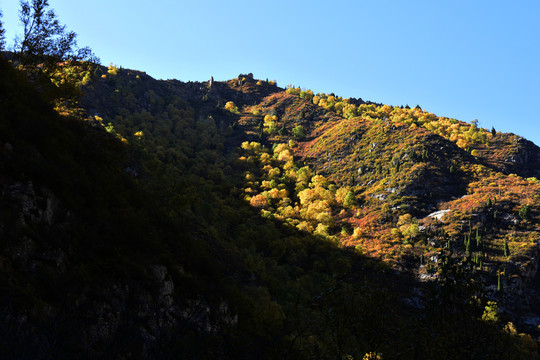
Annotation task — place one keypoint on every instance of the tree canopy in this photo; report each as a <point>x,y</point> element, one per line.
<point>2,33</point>
<point>44,40</point>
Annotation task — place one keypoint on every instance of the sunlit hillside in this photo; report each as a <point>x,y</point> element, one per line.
<point>143,218</point>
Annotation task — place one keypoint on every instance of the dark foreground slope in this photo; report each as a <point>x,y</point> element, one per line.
<point>126,235</point>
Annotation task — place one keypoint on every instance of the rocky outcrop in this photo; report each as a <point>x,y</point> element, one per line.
<point>68,315</point>
<point>524,272</point>
<point>33,207</point>
<point>525,159</point>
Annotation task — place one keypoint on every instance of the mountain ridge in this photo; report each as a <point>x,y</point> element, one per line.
<point>184,218</point>
<point>522,156</point>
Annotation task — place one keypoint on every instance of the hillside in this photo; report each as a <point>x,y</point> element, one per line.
<point>397,163</point>
<point>238,220</point>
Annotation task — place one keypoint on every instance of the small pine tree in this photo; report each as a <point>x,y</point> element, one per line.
<point>499,282</point>
<point>493,132</point>
<point>506,248</point>
<point>525,211</point>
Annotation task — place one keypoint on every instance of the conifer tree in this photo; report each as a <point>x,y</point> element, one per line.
<point>350,200</point>
<point>2,33</point>
<point>525,211</point>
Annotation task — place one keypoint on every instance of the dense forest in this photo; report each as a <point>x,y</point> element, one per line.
<point>143,218</point>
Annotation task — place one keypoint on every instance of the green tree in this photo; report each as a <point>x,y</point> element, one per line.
<point>468,245</point>
<point>298,132</point>
<point>525,211</point>
<point>478,240</point>
<point>349,200</point>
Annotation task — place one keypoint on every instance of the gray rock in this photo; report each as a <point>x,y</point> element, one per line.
<point>438,214</point>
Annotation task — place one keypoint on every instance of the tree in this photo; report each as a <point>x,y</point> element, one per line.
<point>48,53</point>
<point>491,311</point>
<point>2,33</point>
<point>350,200</point>
<point>44,40</point>
<point>478,241</point>
<point>525,211</point>
<point>232,107</point>
<point>506,248</point>
<point>298,132</point>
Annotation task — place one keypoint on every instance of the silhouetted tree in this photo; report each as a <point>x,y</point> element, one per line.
<point>49,53</point>
<point>2,33</point>
<point>44,40</point>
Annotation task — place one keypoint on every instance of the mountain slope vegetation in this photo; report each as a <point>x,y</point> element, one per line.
<point>237,220</point>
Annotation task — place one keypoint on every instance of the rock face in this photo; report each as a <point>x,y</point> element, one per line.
<point>526,160</point>
<point>525,272</point>
<point>147,309</point>
<point>438,215</point>
<point>33,208</point>
<point>520,156</point>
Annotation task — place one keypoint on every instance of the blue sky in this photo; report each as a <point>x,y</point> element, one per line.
<point>463,59</point>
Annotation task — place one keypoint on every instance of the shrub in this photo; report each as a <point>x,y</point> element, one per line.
<point>350,200</point>
<point>232,107</point>
<point>112,69</point>
<point>298,132</point>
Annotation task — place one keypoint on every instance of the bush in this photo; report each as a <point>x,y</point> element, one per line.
<point>232,107</point>
<point>298,132</point>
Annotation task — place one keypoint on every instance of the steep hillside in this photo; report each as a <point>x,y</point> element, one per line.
<point>426,189</point>
<point>393,182</point>
<point>232,220</point>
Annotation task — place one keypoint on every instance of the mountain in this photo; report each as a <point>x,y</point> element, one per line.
<point>237,219</point>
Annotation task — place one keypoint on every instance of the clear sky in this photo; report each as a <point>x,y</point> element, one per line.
<point>468,60</point>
